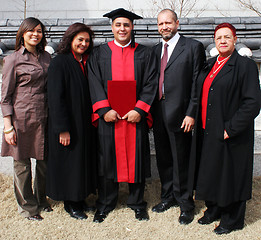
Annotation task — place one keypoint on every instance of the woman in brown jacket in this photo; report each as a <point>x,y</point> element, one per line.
<point>24,109</point>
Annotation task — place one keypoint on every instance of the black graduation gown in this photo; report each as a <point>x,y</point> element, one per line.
<point>99,72</point>
<point>71,169</point>
<point>221,170</point>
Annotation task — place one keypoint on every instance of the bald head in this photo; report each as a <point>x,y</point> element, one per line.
<point>169,11</point>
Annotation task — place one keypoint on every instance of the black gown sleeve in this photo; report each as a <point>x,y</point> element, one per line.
<point>56,90</point>
<point>98,96</point>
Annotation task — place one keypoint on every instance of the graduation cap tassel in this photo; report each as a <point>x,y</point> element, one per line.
<point>132,39</point>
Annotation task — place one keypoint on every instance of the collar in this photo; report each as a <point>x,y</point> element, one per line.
<point>119,45</point>
<point>83,59</point>
<point>23,50</point>
<point>173,41</point>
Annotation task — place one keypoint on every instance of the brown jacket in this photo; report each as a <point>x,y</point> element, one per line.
<point>24,97</point>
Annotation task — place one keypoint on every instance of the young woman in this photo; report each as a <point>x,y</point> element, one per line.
<point>72,163</point>
<point>24,108</point>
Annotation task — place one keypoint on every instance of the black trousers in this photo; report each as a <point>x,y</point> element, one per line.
<point>231,216</point>
<point>108,195</point>
<point>172,153</point>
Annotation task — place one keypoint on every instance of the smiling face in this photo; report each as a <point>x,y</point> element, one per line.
<point>167,25</point>
<point>121,28</point>
<point>33,37</point>
<point>225,41</point>
<point>80,44</point>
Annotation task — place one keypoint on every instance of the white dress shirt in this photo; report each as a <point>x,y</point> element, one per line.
<point>172,44</point>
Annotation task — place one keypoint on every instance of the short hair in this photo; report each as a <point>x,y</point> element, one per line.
<point>71,32</point>
<point>173,13</point>
<point>29,24</point>
<point>226,25</point>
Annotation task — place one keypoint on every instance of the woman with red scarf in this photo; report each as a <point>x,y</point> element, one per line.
<point>71,164</point>
<point>222,150</point>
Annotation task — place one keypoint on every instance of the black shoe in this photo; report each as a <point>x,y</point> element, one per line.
<point>186,217</point>
<point>141,214</point>
<point>163,206</point>
<point>99,216</point>
<point>87,208</point>
<point>221,230</point>
<point>75,213</point>
<point>206,220</point>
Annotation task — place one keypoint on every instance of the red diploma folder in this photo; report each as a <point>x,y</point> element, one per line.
<point>122,95</point>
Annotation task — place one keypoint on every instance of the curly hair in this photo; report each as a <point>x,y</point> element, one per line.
<point>27,25</point>
<point>71,32</point>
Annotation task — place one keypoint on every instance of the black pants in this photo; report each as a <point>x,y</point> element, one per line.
<point>108,195</point>
<point>172,153</point>
<point>231,216</point>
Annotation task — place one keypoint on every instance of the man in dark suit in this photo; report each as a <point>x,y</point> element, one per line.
<point>174,110</point>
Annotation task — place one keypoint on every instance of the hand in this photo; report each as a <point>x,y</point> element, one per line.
<point>64,138</point>
<point>132,116</point>
<point>225,135</point>
<point>111,116</point>
<point>188,124</point>
<point>10,138</point>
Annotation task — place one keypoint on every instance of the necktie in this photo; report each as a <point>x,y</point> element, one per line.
<point>163,65</point>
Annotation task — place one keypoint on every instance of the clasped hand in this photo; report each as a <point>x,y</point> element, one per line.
<point>112,116</point>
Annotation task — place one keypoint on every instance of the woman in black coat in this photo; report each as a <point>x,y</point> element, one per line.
<point>222,149</point>
<point>72,162</point>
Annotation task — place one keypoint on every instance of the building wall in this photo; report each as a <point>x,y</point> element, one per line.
<point>96,8</point>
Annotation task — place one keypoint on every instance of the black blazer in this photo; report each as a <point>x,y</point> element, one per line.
<point>180,78</point>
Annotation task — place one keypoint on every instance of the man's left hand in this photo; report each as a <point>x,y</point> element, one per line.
<point>188,124</point>
<point>132,116</point>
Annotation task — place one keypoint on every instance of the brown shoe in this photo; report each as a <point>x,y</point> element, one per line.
<point>47,209</point>
<point>36,217</point>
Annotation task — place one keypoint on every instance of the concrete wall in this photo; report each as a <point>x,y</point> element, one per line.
<point>96,8</point>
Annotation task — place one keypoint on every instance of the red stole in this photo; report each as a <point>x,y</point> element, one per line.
<point>83,63</point>
<point>122,68</point>
<point>205,90</point>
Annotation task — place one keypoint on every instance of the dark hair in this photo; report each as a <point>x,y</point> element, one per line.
<point>173,13</point>
<point>29,24</point>
<point>226,25</point>
<point>71,32</point>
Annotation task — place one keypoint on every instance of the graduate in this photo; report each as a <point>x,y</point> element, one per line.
<point>123,85</point>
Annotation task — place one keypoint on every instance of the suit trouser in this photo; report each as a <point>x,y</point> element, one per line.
<point>231,216</point>
<point>30,201</point>
<point>108,195</point>
<point>172,153</point>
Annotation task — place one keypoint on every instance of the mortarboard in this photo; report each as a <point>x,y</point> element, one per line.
<point>121,12</point>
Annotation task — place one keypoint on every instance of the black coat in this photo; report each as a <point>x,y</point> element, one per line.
<point>71,169</point>
<point>221,170</point>
<point>180,77</point>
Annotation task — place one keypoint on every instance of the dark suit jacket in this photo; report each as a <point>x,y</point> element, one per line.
<point>180,78</point>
